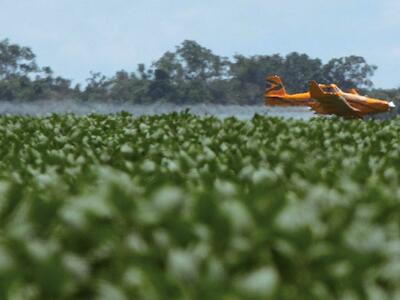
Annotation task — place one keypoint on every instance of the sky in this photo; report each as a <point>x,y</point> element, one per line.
<point>75,37</point>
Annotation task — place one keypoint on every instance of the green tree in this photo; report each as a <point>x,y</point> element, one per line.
<point>162,88</point>
<point>16,60</point>
<point>97,89</point>
<point>22,79</point>
<point>298,70</point>
<point>349,72</point>
<point>247,75</point>
<point>131,87</point>
<point>187,72</point>
<point>191,61</point>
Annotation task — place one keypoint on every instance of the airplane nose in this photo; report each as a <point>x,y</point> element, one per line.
<point>392,105</point>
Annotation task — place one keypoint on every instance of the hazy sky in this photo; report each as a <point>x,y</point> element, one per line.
<point>75,37</point>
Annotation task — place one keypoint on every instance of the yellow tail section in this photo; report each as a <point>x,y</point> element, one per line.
<point>276,88</point>
<point>275,94</point>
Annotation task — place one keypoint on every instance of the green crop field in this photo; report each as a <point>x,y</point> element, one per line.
<point>185,207</point>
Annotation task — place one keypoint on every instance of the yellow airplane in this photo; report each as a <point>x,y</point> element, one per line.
<point>326,99</point>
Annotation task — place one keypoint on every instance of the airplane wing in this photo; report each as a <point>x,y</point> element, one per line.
<point>329,103</point>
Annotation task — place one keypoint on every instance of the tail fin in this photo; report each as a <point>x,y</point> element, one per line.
<point>276,88</point>
<point>315,91</point>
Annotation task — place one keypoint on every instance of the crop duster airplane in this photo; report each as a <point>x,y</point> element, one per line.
<point>326,99</point>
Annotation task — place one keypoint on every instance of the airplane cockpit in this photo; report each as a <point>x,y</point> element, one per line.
<point>330,88</point>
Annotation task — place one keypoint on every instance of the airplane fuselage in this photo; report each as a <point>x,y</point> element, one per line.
<point>300,99</point>
<point>364,105</point>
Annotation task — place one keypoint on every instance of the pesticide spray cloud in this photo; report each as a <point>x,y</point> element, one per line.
<point>42,108</point>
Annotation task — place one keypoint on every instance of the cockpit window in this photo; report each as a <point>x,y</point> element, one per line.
<point>330,89</point>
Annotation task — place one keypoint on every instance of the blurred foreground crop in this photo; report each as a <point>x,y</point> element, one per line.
<point>185,207</point>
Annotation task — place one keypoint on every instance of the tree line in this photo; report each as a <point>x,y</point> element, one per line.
<point>188,75</point>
